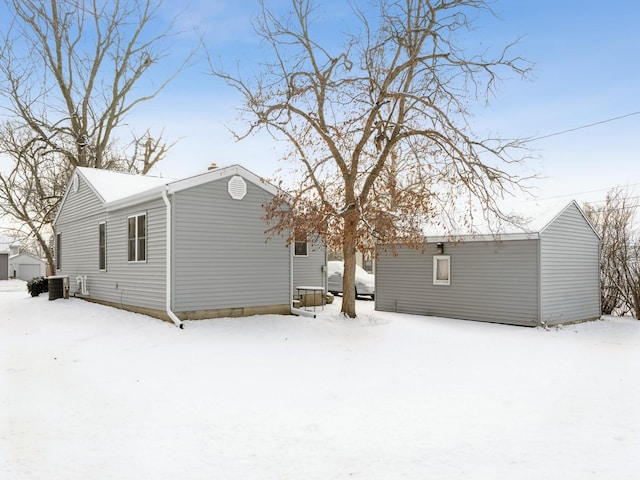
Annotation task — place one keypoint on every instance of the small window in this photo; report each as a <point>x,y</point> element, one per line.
<point>137,238</point>
<point>441,270</point>
<point>102,246</point>
<point>301,245</point>
<point>58,251</point>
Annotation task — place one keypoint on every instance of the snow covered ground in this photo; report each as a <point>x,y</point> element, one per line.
<point>90,392</point>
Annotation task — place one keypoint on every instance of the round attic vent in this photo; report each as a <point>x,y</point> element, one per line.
<point>237,187</point>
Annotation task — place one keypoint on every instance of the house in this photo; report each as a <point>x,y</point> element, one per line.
<point>174,249</point>
<point>26,267</point>
<point>8,248</point>
<point>544,277</point>
<point>310,268</point>
<point>4,264</point>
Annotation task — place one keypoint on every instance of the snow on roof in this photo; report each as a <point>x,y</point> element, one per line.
<point>113,186</point>
<point>541,212</point>
<point>119,188</point>
<point>534,216</point>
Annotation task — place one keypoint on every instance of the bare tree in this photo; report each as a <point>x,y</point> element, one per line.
<point>71,71</point>
<point>615,221</point>
<point>379,125</point>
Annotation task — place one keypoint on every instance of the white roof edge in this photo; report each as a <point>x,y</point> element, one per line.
<point>482,237</point>
<point>66,192</point>
<point>218,174</point>
<point>81,171</point>
<point>173,186</point>
<point>25,254</point>
<point>580,210</point>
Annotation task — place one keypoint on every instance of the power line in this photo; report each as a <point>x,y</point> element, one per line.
<point>587,191</point>
<point>584,126</point>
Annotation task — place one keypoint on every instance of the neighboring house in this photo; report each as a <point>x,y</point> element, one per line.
<point>26,267</point>
<point>547,277</point>
<point>186,249</point>
<point>4,265</point>
<point>8,248</point>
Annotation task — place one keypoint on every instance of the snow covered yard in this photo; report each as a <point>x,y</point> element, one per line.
<point>88,391</point>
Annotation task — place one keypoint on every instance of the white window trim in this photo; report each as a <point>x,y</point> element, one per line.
<point>306,242</point>
<point>435,270</point>
<point>137,238</point>
<point>105,246</point>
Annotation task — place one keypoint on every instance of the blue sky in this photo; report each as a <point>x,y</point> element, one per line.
<point>586,57</point>
<point>587,70</point>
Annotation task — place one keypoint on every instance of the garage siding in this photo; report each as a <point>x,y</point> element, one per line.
<point>570,288</point>
<point>490,281</point>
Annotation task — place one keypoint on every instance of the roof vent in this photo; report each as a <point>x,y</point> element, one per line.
<point>237,187</point>
<point>213,166</point>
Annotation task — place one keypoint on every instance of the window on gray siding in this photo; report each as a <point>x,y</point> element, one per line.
<point>301,245</point>
<point>58,251</point>
<point>102,246</point>
<point>441,270</point>
<point>137,238</point>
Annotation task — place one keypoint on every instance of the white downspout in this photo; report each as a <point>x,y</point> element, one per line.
<point>168,248</point>
<point>295,311</point>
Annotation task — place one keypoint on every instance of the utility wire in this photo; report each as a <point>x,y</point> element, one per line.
<point>584,126</point>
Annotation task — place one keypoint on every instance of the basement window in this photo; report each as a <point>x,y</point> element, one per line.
<point>441,270</point>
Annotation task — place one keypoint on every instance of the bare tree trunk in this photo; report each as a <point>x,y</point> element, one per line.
<point>636,302</point>
<point>71,72</point>
<point>378,126</point>
<point>349,255</point>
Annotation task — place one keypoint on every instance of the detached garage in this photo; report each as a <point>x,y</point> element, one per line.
<point>548,277</point>
<point>26,267</point>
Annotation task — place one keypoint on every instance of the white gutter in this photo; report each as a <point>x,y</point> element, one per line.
<point>295,311</point>
<point>172,315</point>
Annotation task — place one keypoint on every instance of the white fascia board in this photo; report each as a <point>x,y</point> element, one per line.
<point>220,173</point>
<point>500,237</point>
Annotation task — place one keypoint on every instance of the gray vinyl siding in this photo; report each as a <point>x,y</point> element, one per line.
<point>569,269</point>
<point>139,284</point>
<point>490,281</point>
<point>308,270</point>
<point>78,215</point>
<point>4,266</point>
<point>222,257</point>
<point>134,284</point>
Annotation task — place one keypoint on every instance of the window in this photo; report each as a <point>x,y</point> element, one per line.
<point>300,248</point>
<point>137,238</point>
<point>441,270</point>
<point>58,251</point>
<point>102,246</point>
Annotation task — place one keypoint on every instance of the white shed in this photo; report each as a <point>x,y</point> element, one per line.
<point>26,267</point>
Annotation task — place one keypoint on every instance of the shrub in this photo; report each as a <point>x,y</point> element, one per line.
<point>38,285</point>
